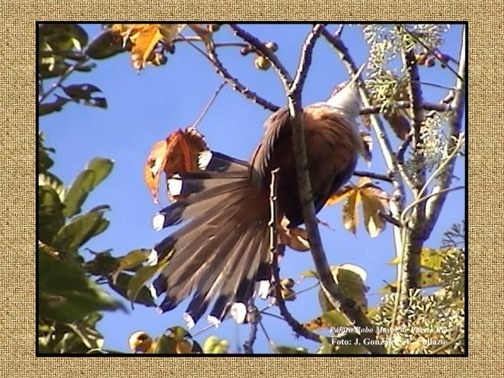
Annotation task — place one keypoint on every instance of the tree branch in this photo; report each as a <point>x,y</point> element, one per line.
<point>338,300</point>
<point>372,175</point>
<point>376,109</point>
<point>414,237</point>
<point>443,180</point>
<point>284,75</point>
<point>293,323</point>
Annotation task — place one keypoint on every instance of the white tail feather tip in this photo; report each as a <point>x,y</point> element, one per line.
<point>189,320</point>
<point>174,185</point>
<point>204,159</point>
<point>153,257</point>
<point>158,222</point>
<point>239,312</point>
<point>213,321</point>
<point>263,289</point>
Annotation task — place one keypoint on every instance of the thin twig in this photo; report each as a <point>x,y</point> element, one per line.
<point>208,105</point>
<point>402,149</point>
<point>339,31</point>
<point>372,175</point>
<point>377,109</point>
<point>254,318</point>
<point>60,81</point>
<point>270,342</point>
<point>212,57</point>
<point>305,61</point>
<point>283,73</point>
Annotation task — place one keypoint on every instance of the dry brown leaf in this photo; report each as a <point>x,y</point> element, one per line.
<point>296,238</point>
<point>176,154</point>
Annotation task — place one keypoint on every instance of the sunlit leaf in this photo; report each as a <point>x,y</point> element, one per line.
<point>374,203</point>
<point>141,276</point>
<point>105,45</point>
<point>351,280</point>
<point>79,230</point>
<point>141,342</point>
<point>50,213</point>
<point>350,215</point>
<point>63,36</point>
<point>430,259</point>
<point>120,285</point>
<point>144,38</point>
<point>49,179</point>
<point>131,260</point>
<point>95,172</point>
<point>427,279</point>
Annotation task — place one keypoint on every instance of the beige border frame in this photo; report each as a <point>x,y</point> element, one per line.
<point>17,162</point>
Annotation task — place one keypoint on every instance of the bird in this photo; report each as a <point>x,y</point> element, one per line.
<point>221,252</point>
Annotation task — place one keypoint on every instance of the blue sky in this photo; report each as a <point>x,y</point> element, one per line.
<point>144,108</point>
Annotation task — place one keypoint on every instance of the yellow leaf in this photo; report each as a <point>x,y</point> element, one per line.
<point>144,42</point>
<point>350,279</point>
<point>371,208</point>
<point>427,279</point>
<point>340,195</point>
<point>350,216</point>
<point>170,31</point>
<point>430,259</point>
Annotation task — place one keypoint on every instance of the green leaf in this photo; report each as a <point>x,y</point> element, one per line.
<point>141,276</point>
<point>50,214</point>
<point>51,107</point>
<point>44,160</point>
<point>96,171</point>
<point>66,294</point>
<point>106,45</point>
<point>120,285</point>
<point>309,274</point>
<point>63,37</point>
<point>80,91</point>
<point>131,261</point>
<point>427,279</point>
<point>49,179</point>
<point>82,228</point>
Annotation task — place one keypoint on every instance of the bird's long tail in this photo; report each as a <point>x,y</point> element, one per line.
<point>222,248</point>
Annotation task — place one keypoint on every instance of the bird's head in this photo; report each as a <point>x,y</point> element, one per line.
<point>346,97</point>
